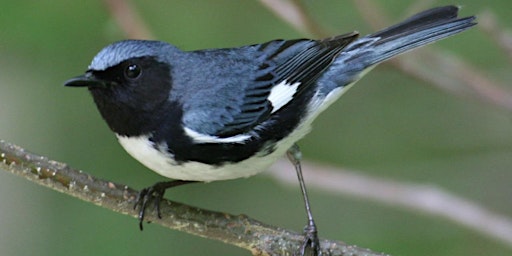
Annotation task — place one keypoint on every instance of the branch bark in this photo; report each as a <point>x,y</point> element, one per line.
<point>238,230</point>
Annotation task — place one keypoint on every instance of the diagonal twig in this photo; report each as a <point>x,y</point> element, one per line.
<point>238,230</point>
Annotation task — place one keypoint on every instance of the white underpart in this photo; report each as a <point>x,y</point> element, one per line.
<point>142,149</point>
<point>281,94</point>
<point>198,137</point>
<point>162,163</point>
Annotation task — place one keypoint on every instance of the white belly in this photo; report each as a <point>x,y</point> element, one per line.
<point>145,152</point>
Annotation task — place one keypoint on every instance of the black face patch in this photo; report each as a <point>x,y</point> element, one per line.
<point>136,89</point>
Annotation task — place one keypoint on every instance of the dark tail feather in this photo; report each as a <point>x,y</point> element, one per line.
<point>418,21</point>
<point>421,29</point>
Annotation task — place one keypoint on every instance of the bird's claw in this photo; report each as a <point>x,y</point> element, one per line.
<point>311,244</point>
<point>155,193</point>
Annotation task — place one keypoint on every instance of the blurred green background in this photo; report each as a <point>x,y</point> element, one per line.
<point>388,126</point>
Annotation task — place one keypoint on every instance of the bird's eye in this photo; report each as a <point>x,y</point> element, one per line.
<point>132,71</point>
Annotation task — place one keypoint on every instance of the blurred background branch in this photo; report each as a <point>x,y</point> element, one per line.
<point>128,19</point>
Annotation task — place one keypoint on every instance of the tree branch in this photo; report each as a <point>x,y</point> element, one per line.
<point>238,230</point>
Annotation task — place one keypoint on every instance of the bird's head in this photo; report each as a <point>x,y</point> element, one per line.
<point>128,79</point>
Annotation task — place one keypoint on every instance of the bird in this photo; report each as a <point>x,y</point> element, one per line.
<point>227,113</point>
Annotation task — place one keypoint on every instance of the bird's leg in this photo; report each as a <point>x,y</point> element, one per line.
<point>155,192</point>
<point>311,244</point>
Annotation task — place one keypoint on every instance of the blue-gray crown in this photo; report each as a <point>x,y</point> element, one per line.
<point>118,52</point>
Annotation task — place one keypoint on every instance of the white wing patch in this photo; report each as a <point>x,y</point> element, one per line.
<point>281,94</point>
<point>205,138</point>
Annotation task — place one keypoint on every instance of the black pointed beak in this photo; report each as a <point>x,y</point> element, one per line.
<point>85,80</point>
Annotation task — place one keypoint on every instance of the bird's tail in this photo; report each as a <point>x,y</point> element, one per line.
<point>421,29</point>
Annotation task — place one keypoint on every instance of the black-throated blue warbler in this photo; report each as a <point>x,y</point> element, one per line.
<point>222,114</point>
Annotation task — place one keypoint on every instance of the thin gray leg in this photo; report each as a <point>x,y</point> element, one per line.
<point>311,245</point>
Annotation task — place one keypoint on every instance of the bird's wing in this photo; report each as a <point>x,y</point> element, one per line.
<point>289,67</point>
<point>257,82</point>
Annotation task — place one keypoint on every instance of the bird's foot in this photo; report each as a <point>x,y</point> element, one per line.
<point>311,244</point>
<point>155,193</point>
